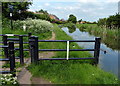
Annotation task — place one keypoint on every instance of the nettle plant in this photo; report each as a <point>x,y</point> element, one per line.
<point>35,25</point>
<point>8,79</point>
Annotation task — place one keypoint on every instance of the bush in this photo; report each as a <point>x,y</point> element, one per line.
<point>6,23</point>
<point>34,25</point>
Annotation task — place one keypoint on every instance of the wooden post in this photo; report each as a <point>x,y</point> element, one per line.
<point>33,41</point>
<point>97,50</point>
<point>5,49</point>
<point>12,58</point>
<point>21,49</point>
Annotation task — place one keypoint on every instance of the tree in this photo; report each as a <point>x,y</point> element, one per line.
<point>17,7</point>
<point>72,18</point>
<point>102,22</point>
<point>80,20</point>
<point>42,11</point>
<point>111,22</point>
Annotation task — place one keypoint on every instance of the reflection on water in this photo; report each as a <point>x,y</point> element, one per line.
<point>108,61</point>
<point>72,29</point>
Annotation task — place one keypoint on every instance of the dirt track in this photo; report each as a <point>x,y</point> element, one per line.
<point>25,77</point>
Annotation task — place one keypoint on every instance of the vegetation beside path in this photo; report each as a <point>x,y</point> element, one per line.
<point>109,36</point>
<point>69,72</point>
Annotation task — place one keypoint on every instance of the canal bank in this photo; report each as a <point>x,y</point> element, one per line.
<point>108,57</point>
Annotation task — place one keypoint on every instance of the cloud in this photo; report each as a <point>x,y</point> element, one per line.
<point>46,4</point>
<point>58,7</point>
<point>91,11</point>
<point>87,1</point>
<point>66,8</point>
<point>83,1</point>
<point>111,1</point>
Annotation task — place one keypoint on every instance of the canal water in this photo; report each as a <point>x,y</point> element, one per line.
<point>108,60</point>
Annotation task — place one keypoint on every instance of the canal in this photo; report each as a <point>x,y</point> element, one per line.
<point>108,57</point>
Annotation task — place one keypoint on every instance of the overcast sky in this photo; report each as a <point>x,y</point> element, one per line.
<point>88,10</point>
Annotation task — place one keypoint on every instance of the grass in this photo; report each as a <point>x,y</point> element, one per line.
<point>70,72</point>
<point>109,36</point>
<point>7,65</point>
<point>66,72</point>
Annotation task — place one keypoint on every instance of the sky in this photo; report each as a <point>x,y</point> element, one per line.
<point>87,10</point>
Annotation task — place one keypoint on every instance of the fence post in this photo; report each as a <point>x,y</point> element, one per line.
<point>21,49</point>
<point>97,50</point>
<point>12,58</point>
<point>5,49</point>
<point>34,49</point>
<point>29,35</point>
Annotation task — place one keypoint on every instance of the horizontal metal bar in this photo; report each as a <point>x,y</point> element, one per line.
<point>4,59</point>
<point>3,35</point>
<point>26,49</point>
<point>16,48</point>
<point>65,58</point>
<point>23,42</point>
<point>66,50</point>
<point>14,35</point>
<point>2,46</point>
<point>16,42</point>
<point>23,49</point>
<point>17,57</point>
<point>32,40</point>
<point>13,39</point>
<point>5,72</point>
<point>21,35</point>
<point>66,40</point>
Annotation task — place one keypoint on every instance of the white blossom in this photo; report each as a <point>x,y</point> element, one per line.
<point>14,82</point>
<point>36,25</point>
<point>8,79</point>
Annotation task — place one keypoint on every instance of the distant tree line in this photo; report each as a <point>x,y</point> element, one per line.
<point>111,22</point>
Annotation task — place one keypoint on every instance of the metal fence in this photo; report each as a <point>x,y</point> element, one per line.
<point>11,58</point>
<point>9,50</point>
<point>33,42</point>
<point>18,40</point>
